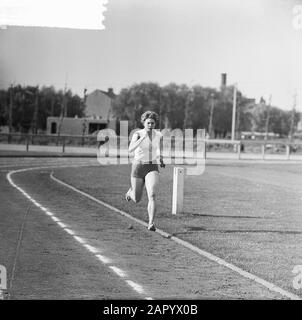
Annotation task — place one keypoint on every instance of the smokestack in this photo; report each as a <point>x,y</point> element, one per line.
<point>223,80</point>
<point>110,92</point>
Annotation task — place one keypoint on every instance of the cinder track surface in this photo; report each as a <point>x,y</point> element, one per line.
<point>45,262</point>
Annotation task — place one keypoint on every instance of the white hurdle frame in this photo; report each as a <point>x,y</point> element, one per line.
<point>178,190</point>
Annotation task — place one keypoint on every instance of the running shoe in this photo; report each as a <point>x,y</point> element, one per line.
<point>127,197</point>
<point>151,227</point>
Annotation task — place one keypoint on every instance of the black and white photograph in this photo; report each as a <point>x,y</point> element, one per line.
<point>150,150</point>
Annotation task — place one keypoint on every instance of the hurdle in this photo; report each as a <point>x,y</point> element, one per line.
<point>263,148</point>
<point>178,190</point>
<point>287,152</point>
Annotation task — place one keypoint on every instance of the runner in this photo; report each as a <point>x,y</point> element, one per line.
<point>147,147</point>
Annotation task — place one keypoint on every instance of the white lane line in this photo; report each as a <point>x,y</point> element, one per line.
<point>118,271</point>
<point>69,231</point>
<point>62,225</point>
<point>80,240</point>
<point>122,274</point>
<point>245,274</point>
<point>135,286</point>
<point>91,248</point>
<point>103,259</point>
<point>270,286</point>
<point>55,219</point>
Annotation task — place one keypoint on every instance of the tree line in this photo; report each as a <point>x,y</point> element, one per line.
<point>181,106</point>
<point>26,108</point>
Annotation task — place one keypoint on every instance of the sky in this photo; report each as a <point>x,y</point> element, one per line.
<point>164,41</point>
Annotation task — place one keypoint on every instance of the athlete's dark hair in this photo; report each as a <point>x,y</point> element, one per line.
<point>149,115</point>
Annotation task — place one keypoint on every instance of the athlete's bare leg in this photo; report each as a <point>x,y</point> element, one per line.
<point>136,190</point>
<point>151,180</point>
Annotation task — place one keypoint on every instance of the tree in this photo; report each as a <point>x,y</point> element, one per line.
<point>133,101</point>
<point>175,98</point>
<point>4,101</point>
<point>32,105</point>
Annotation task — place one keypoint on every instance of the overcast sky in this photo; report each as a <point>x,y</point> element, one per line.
<point>182,41</point>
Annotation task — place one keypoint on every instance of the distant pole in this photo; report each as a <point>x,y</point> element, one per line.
<point>64,101</point>
<point>85,96</point>
<point>234,111</point>
<point>10,111</point>
<point>84,100</point>
<point>65,98</point>
<point>292,123</point>
<point>160,107</point>
<point>268,117</point>
<point>211,116</point>
<point>35,117</point>
<point>63,106</point>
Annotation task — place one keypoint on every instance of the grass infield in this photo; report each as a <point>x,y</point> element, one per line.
<point>247,214</point>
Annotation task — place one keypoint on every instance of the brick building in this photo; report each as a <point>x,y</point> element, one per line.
<point>98,115</point>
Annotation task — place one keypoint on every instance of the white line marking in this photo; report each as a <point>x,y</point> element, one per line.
<point>69,231</point>
<point>103,259</point>
<point>62,225</point>
<point>271,286</point>
<point>118,271</point>
<point>55,219</point>
<point>80,240</point>
<point>135,286</point>
<point>268,285</point>
<point>92,249</point>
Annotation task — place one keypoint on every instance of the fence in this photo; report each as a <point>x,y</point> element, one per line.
<point>240,149</point>
<point>48,140</point>
<point>260,148</point>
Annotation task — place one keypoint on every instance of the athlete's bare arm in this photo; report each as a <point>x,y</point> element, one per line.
<point>161,157</point>
<point>136,141</point>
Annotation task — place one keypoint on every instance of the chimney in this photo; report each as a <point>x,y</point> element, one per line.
<point>223,80</point>
<point>110,93</point>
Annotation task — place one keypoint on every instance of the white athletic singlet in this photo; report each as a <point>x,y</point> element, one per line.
<point>148,151</point>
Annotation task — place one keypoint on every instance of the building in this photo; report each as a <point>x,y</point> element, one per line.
<point>99,105</point>
<point>98,116</point>
<point>299,126</point>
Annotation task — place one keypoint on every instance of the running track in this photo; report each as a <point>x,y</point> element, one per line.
<point>57,244</point>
